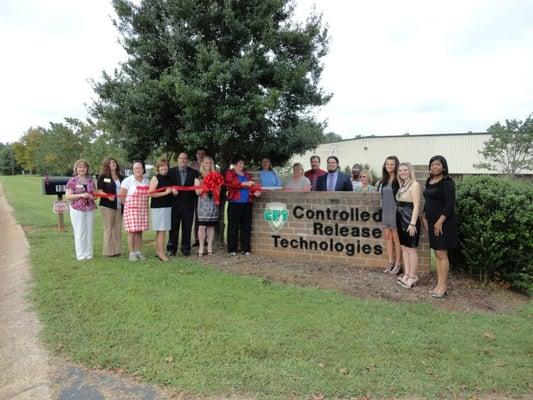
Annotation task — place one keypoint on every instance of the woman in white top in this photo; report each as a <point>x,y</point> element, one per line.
<point>135,188</point>
<point>298,182</point>
<point>408,200</point>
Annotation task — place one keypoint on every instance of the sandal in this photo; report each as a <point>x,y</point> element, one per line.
<point>411,282</point>
<point>396,269</point>
<point>439,295</point>
<point>402,278</point>
<point>388,268</point>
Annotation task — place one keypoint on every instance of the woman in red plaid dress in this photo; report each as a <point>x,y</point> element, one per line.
<point>135,188</point>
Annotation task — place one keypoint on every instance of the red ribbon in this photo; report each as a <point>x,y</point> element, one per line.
<point>213,182</point>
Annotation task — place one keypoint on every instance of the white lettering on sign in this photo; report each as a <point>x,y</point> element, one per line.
<point>60,188</point>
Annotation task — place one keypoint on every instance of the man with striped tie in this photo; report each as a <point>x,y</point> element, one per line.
<point>315,172</point>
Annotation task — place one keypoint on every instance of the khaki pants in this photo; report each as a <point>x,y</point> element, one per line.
<point>112,219</point>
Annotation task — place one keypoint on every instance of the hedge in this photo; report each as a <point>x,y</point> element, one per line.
<point>495,230</point>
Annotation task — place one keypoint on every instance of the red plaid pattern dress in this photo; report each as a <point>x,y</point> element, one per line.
<point>136,210</point>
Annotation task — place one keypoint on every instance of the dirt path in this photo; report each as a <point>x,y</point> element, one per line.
<point>24,364</point>
<point>27,371</point>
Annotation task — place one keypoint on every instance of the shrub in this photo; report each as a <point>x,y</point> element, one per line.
<point>495,230</point>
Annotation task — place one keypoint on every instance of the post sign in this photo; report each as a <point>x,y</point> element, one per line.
<point>56,185</point>
<point>60,206</point>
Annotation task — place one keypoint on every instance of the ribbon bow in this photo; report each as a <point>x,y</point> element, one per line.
<point>213,182</point>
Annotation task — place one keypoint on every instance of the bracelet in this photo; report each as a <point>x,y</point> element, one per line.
<point>412,225</point>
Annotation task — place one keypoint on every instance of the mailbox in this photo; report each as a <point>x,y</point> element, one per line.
<point>55,185</point>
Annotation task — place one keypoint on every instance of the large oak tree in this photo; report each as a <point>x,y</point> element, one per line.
<point>232,76</point>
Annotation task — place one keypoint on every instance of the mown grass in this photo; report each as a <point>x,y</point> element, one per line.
<point>197,329</point>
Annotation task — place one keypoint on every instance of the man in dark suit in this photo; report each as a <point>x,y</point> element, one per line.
<point>183,208</point>
<point>334,180</point>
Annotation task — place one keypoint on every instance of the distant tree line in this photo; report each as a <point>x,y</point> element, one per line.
<point>53,151</point>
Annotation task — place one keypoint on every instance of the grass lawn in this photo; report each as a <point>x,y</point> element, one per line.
<point>197,329</point>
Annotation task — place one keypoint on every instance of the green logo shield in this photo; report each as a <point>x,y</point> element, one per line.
<point>276,214</point>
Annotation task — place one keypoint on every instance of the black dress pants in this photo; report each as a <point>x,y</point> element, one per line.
<point>183,218</point>
<point>239,219</point>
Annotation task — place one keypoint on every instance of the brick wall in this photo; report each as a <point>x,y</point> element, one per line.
<point>295,234</point>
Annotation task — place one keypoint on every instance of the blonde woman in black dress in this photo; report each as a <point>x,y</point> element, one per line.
<point>440,220</point>
<point>408,200</point>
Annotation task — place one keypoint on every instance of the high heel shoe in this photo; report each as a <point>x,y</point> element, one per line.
<point>439,295</point>
<point>388,268</point>
<point>396,269</point>
<point>403,278</point>
<point>411,282</point>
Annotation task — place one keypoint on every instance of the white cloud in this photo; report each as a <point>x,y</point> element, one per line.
<point>50,51</point>
<point>393,67</point>
<point>426,67</point>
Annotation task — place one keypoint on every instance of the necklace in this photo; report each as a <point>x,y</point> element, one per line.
<point>405,187</point>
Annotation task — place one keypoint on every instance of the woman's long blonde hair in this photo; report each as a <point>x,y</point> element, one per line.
<point>411,171</point>
<point>203,172</point>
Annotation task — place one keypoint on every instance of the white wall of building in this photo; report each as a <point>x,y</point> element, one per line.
<point>460,150</point>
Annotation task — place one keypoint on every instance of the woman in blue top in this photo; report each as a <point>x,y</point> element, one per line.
<point>267,175</point>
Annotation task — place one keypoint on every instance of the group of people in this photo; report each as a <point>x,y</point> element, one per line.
<point>403,215</point>
<point>178,196</point>
<point>316,179</point>
<point>175,196</point>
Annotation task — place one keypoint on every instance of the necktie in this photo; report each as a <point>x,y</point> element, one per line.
<point>314,181</point>
<point>183,176</point>
<point>331,183</point>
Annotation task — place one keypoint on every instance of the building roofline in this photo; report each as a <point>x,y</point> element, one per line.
<point>408,136</point>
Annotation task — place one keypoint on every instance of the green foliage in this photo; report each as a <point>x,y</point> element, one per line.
<point>53,151</point>
<point>496,230</point>
<point>509,150</point>
<point>331,137</point>
<point>26,148</point>
<point>229,76</point>
<point>205,332</point>
<point>8,163</point>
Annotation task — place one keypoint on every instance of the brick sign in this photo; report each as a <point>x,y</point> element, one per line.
<point>335,227</point>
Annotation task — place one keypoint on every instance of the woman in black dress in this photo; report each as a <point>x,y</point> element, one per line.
<point>408,201</point>
<point>388,187</point>
<point>439,219</point>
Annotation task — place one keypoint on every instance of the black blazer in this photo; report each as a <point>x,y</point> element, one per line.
<point>108,186</point>
<point>344,184</point>
<point>185,200</point>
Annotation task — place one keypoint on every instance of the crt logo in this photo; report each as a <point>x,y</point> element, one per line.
<point>276,214</point>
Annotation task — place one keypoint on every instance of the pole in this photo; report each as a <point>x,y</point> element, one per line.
<point>60,222</point>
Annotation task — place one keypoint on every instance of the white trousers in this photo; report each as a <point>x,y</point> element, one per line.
<point>82,225</point>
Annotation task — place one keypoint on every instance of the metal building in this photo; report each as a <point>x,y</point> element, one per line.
<point>459,149</point>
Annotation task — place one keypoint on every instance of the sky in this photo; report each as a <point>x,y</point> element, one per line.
<point>393,67</point>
